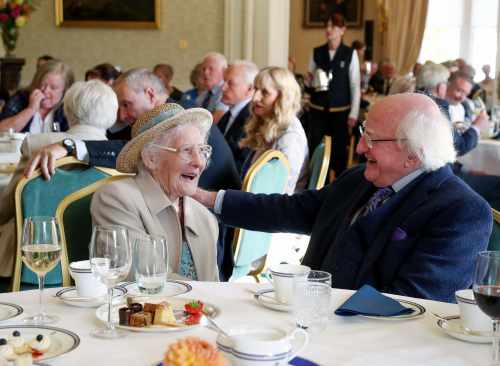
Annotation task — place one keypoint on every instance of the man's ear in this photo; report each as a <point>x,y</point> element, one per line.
<point>412,161</point>
<point>151,95</point>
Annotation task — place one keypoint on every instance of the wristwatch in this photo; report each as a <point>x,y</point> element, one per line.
<point>69,145</point>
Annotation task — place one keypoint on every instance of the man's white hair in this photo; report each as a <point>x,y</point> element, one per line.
<point>428,135</point>
<point>139,79</point>
<point>91,103</point>
<point>219,57</point>
<point>431,75</point>
<point>250,69</point>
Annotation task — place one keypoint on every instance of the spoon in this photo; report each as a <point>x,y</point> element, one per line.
<point>212,324</point>
<point>467,331</point>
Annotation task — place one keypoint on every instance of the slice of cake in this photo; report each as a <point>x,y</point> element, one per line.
<point>140,319</point>
<point>164,315</point>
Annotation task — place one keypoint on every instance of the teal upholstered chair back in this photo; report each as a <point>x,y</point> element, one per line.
<point>318,165</point>
<point>494,243</point>
<point>73,215</point>
<point>269,174</point>
<point>38,197</point>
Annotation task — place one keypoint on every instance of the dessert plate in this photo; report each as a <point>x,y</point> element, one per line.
<point>418,311</point>
<point>178,308</point>
<point>9,311</point>
<point>61,340</point>
<point>69,296</point>
<point>266,298</point>
<point>172,288</point>
<point>452,325</point>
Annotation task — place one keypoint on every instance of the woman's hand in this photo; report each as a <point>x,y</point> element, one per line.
<point>36,98</point>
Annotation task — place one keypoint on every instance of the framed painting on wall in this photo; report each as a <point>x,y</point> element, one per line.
<point>317,11</point>
<point>108,13</point>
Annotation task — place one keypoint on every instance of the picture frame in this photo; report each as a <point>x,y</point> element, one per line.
<point>316,12</point>
<point>108,13</point>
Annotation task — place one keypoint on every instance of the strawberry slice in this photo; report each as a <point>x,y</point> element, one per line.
<point>194,307</point>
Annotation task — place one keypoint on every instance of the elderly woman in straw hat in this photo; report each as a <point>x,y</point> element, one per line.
<point>168,151</point>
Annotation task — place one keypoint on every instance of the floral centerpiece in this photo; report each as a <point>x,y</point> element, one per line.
<point>14,14</point>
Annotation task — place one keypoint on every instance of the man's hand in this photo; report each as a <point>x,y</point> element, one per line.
<point>481,121</point>
<point>206,198</point>
<point>351,122</point>
<point>45,159</point>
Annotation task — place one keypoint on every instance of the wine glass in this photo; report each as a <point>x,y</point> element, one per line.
<point>487,293</point>
<point>41,251</point>
<point>110,261</point>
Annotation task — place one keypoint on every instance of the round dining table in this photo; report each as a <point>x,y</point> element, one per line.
<point>353,340</point>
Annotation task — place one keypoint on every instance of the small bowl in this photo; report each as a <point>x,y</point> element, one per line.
<point>87,284</point>
<point>472,317</point>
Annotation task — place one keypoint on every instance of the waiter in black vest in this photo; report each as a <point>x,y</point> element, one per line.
<point>335,93</point>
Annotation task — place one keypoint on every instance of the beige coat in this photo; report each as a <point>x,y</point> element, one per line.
<point>140,205</point>
<point>31,145</point>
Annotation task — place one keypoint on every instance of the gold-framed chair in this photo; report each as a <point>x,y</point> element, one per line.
<point>494,243</point>
<point>350,151</point>
<point>319,162</point>
<point>75,222</point>
<point>35,196</point>
<point>269,174</point>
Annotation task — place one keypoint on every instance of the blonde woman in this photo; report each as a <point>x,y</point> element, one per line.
<point>274,124</point>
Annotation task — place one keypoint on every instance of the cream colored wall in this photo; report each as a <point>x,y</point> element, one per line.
<point>199,22</point>
<point>302,40</point>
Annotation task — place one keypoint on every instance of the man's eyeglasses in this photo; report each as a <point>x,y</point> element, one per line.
<point>186,152</point>
<point>369,140</point>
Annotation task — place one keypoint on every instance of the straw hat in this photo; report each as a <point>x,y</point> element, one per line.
<point>153,124</point>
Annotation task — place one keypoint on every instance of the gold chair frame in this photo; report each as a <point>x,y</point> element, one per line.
<point>247,181</point>
<point>350,153</point>
<point>16,278</point>
<point>325,163</point>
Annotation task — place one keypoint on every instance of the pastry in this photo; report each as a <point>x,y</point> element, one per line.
<point>141,319</point>
<point>41,343</point>
<point>18,343</point>
<point>164,314</point>
<point>6,350</point>
<point>150,308</point>
<point>193,351</point>
<point>124,316</point>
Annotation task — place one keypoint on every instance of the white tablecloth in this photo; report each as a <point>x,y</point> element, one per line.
<point>483,159</point>
<point>346,341</point>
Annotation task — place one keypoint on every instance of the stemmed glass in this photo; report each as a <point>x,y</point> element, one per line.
<point>487,293</point>
<point>41,251</point>
<point>110,261</point>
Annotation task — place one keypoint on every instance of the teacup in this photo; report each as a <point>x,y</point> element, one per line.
<point>87,284</point>
<point>472,317</point>
<point>261,345</point>
<point>284,277</point>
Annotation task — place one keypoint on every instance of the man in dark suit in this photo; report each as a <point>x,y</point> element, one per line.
<point>403,223</point>
<point>237,92</point>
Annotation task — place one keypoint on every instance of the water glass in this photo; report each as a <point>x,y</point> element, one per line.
<point>321,277</point>
<point>150,263</point>
<point>311,305</point>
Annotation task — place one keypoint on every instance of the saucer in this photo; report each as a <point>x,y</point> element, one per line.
<point>69,296</point>
<point>266,298</point>
<point>171,288</point>
<point>452,325</point>
<point>418,311</point>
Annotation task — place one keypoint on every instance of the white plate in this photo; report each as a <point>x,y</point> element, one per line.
<point>418,311</point>
<point>9,311</point>
<point>178,306</point>
<point>454,328</point>
<point>70,296</point>
<point>266,298</point>
<point>61,340</point>
<point>172,288</point>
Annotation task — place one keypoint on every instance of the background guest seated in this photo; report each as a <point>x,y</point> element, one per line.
<point>38,109</point>
<point>274,124</point>
<point>168,152</point>
<point>105,72</point>
<point>90,108</point>
<point>165,73</point>
<point>403,223</point>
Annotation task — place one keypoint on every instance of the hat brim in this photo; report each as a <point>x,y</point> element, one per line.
<point>130,155</point>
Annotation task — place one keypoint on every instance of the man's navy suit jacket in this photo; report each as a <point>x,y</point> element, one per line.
<point>235,133</point>
<point>422,242</point>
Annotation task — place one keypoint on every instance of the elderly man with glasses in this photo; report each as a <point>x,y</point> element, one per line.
<point>402,222</point>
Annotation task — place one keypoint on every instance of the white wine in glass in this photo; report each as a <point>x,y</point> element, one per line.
<point>110,261</point>
<point>41,251</point>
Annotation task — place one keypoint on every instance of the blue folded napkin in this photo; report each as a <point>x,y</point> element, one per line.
<point>368,301</point>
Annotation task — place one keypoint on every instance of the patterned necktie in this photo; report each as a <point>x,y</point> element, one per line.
<point>376,200</point>
<point>206,101</point>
